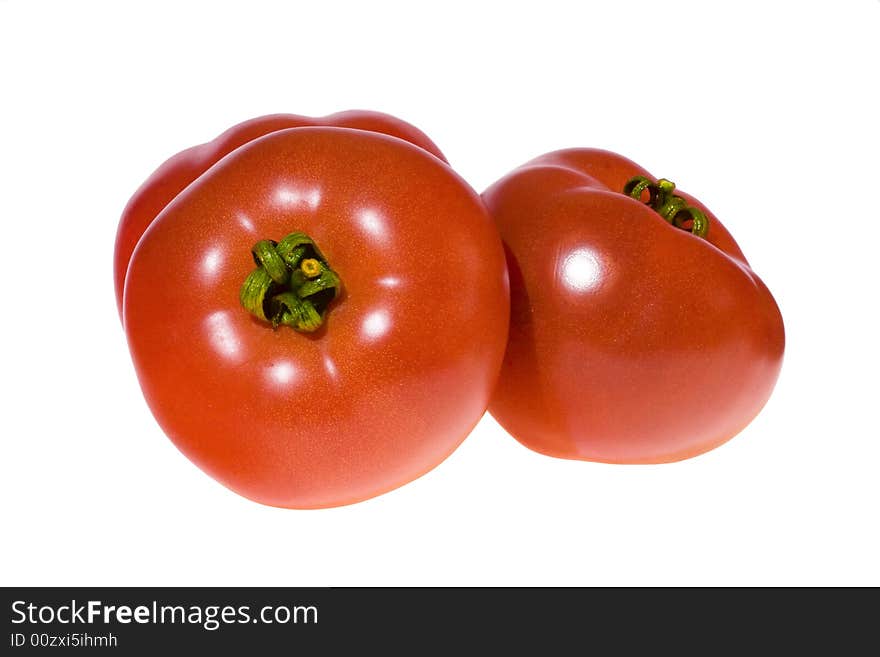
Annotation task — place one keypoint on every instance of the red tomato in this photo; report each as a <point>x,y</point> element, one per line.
<point>631,340</point>
<point>401,369</point>
<point>180,170</point>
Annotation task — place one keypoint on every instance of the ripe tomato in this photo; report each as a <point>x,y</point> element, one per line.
<point>183,168</point>
<point>402,367</point>
<point>631,341</point>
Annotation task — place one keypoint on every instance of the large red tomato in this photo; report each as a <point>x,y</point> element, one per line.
<point>180,170</point>
<point>372,349</point>
<point>632,338</point>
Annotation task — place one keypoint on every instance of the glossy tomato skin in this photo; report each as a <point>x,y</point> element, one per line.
<point>631,341</point>
<point>181,169</point>
<point>403,367</point>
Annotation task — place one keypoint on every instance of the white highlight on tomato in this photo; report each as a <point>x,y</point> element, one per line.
<point>376,324</point>
<point>283,372</point>
<point>222,335</point>
<point>581,270</point>
<point>294,197</point>
<point>389,281</point>
<point>330,367</point>
<point>373,223</point>
<point>211,262</point>
<point>245,222</point>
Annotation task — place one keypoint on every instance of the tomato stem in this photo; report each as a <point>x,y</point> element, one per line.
<point>293,284</point>
<point>673,208</point>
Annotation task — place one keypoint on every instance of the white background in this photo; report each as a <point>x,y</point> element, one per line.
<point>766,111</point>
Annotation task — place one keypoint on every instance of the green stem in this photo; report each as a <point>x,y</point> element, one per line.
<point>293,284</point>
<point>637,185</point>
<point>699,221</point>
<point>673,208</point>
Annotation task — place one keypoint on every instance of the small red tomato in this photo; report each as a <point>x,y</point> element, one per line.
<point>320,317</point>
<point>180,170</point>
<point>639,333</point>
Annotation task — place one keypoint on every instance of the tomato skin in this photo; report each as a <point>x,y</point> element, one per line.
<point>181,169</point>
<point>631,341</point>
<point>405,364</point>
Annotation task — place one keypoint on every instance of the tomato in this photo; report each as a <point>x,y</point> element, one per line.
<point>183,168</point>
<point>632,339</point>
<point>394,366</point>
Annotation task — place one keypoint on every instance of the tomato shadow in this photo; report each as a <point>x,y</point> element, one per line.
<point>521,316</point>
<point>522,391</point>
<point>521,337</point>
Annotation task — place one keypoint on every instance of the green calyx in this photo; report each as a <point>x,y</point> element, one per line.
<point>293,284</point>
<point>673,208</point>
